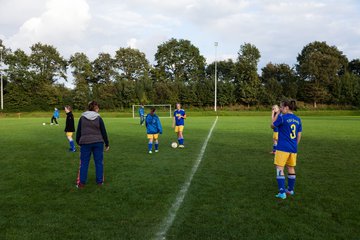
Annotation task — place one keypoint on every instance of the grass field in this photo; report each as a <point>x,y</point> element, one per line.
<point>231,195</point>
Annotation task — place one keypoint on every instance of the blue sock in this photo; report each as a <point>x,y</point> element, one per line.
<point>150,146</point>
<point>181,141</point>
<point>156,146</point>
<point>72,145</point>
<point>281,183</point>
<point>291,181</point>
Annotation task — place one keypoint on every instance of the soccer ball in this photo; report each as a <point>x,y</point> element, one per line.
<point>174,145</point>
<point>44,124</point>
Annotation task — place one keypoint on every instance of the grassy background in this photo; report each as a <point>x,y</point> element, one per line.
<point>231,196</point>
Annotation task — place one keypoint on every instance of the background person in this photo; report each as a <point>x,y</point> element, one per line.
<point>142,114</point>
<point>70,127</point>
<point>178,124</point>
<point>55,116</point>
<point>153,129</point>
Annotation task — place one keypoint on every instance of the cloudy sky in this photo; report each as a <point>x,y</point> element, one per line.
<point>278,28</point>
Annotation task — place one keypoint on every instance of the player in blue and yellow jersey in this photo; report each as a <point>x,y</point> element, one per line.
<point>275,109</point>
<point>290,128</point>
<point>70,127</point>
<point>153,129</point>
<point>178,124</point>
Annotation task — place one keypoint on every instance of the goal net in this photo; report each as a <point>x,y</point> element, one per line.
<point>162,110</point>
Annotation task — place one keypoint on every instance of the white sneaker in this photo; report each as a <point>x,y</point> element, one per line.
<point>150,152</point>
<point>156,151</point>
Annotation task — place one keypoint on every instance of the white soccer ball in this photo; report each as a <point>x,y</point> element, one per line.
<point>44,124</point>
<point>174,145</point>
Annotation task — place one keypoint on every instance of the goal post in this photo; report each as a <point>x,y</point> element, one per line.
<point>162,110</point>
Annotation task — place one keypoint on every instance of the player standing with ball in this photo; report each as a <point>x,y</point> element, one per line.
<point>178,124</point>
<point>290,128</point>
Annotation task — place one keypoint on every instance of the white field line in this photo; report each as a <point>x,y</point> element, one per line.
<point>169,219</point>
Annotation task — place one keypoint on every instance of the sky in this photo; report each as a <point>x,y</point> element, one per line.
<point>278,28</point>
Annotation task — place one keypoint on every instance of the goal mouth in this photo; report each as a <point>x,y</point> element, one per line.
<point>162,110</point>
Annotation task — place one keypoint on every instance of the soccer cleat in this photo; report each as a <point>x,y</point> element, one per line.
<point>80,185</point>
<point>181,146</point>
<point>72,150</point>
<point>289,193</point>
<point>100,184</point>
<point>150,152</point>
<point>281,195</point>
<point>156,151</point>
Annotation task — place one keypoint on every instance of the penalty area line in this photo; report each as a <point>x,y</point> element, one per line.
<point>169,219</point>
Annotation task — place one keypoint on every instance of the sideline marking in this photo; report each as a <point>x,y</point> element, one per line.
<point>169,219</point>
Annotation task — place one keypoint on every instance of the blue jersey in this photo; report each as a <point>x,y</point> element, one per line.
<point>141,111</point>
<point>153,125</point>
<point>56,114</point>
<point>177,114</point>
<point>289,125</point>
<point>276,129</point>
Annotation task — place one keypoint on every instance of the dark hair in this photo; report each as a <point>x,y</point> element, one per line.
<point>93,106</point>
<point>68,107</point>
<point>153,109</point>
<point>291,104</point>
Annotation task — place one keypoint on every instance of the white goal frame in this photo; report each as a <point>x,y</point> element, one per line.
<point>152,105</point>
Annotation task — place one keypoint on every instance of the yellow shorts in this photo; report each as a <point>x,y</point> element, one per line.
<point>285,158</point>
<point>179,128</point>
<point>153,136</point>
<point>276,136</point>
<point>69,134</point>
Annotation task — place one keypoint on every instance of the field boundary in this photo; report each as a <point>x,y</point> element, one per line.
<point>169,219</point>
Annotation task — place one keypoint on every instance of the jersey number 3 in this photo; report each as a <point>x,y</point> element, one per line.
<point>293,131</point>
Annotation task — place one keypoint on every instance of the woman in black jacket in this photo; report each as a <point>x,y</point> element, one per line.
<point>70,127</point>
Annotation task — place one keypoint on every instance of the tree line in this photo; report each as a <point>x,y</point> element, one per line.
<point>322,74</point>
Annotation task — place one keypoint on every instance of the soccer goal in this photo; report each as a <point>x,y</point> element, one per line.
<point>162,110</point>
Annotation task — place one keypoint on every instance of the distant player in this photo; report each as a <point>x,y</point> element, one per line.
<point>178,124</point>
<point>275,109</point>
<point>142,115</point>
<point>70,127</point>
<point>290,128</point>
<point>55,116</point>
<point>153,129</point>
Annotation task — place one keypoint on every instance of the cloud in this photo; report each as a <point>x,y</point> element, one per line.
<point>279,28</point>
<point>62,23</point>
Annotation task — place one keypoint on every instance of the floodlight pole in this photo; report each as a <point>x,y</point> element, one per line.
<point>215,101</point>
<point>1,73</point>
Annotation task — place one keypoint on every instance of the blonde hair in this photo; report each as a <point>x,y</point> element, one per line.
<point>275,106</point>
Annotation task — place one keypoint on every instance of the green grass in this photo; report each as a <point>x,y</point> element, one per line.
<point>231,195</point>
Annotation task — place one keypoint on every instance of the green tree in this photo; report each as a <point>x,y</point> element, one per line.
<point>225,77</point>
<point>133,66</point>
<point>47,63</point>
<point>280,82</point>
<point>103,68</point>
<point>320,67</point>
<point>249,89</point>
<point>82,72</point>
<point>180,61</point>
